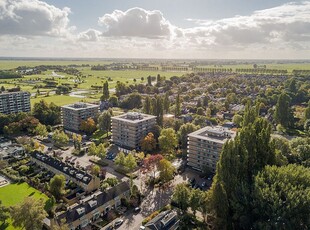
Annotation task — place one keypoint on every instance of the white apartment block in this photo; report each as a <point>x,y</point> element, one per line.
<point>205,146</point>
<point>129,129</point>
<point>14,102</point>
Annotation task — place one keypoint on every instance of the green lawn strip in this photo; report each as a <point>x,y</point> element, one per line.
<point>13,194</point>
<point>60,99</point>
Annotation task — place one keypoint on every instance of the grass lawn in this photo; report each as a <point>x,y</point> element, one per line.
<point>60,99</point>
<point>15,193</point>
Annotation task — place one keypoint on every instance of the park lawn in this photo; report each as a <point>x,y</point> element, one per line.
<point>61,99</point>
<point>13,194</point>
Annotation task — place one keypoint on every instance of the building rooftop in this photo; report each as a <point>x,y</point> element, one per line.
<point>12,150</point>
<point>133,117</point>
<point>217,134</point>
<point>166,220</point>
<point>14,92</point>
<point>92,202</point>
<point>63,167</point>
<point>80,106</point>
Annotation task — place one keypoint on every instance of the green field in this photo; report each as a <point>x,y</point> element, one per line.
<point>15,193</point>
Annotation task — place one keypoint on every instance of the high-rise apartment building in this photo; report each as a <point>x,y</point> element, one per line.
<point>74,114</point>
<point>14,102</point>
<point>205,146</point>
<point>129,129</point>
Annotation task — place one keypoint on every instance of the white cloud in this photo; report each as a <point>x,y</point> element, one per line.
<point>32,17</point>
<point>137,22</point>
<point>89,35</point>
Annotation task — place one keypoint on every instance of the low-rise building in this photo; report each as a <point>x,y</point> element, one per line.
<point>12,151</point>
<point>74,114</point>
<point>92,207</point>
<point>14,102</point>
<point>84,180</point>
<point>167,220</point>
<point>129,129</point>
<point>205,146</point>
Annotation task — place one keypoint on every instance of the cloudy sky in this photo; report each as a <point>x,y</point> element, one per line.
<point>259,29</point>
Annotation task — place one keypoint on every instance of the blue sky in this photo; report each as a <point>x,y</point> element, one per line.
<point>161,29</point>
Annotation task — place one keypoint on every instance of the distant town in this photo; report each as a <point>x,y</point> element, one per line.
<point>154,144</point>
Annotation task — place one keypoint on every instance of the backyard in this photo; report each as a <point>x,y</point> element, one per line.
<point>14,194</point>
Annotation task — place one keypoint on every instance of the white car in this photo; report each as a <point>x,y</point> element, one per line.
<point>118,222</point>
<point>141,227</point>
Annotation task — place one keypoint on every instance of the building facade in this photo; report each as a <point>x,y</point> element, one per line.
<point>74,114</point>
<point>89,209</point>
<point>14,102</point>
<point>129,129</point>
<point>205,146</point>
<point>84,180</point>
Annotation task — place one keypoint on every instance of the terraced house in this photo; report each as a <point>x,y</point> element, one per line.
<point>129,129</point>
<point>205,146</point>
<point>89,209</point>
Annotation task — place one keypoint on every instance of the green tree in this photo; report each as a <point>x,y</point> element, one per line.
<point>101,151</point>
<point>307,111</point>
<point>29,214</point>
<point>113,100</point>
<point>130,162</point>
<point>104,122</point>
<point>4,213</point>
<point>282,198</point>
<point>47,114</point>
<point>166,170</point>
<point>283,112</point>
<point>147,106</point>
<point>105,91</point>
<point>181,196</point>
<point>60,138</point>
<point>241,159</point>
<point>196,200</point>
<point>168,140</point>
<point>57,186</point>
<point>166,103</point>
<point>120,159</point>
<point>95,170</point>
<point>300,148</point>
<point>41,130</point>
<point>77,140</point>
<point>177,111</point>
<point>92,149</point>
<point>184,130</point>
<point>237,119</point>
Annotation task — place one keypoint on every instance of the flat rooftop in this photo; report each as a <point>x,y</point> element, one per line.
<point>216,134</point>
<point>14,92</point>
<point>133,117</point>
<point>80,106</point>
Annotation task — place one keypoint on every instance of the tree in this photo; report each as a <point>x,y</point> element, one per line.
<point>57,186</point>
<point>200,111</point>
<point>166,170</point>
<point>307,111</point>
<point>166,103</point>
<point>184,130</point>
<point>181,197</point>
<point>60,226</point>
<point>147,106</point>
<point>104,122</point>
<point>196,200</point>
<point>300,150</point>
<point>29,214</point>
<point>148,143</point>
<point>130,162</point>
<point>237,119</point>
<point>113,100</point>
<point>60,138</point>
<point>281,198</point>
<point>4,213</point>
<point>2,88</point>
<point>105,91</point>
<point>41,130</point>
<point>150,163</point>
<point>149,80</point>
<point>92,149</point>
<point>283,112</point>
<point>47,114</point>
<point>240,160</point>
<point>77,140</point>
<point>168,140</point>
<point>101,151</point>
<point>88,126</point>
<point>120,159</point>
<point>95,170</point>
<point>177,111</point>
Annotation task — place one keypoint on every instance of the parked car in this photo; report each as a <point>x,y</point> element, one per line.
<point>119,222</point>
<point>203,184</point>
<point>137,209</point>
<point>141,227</point>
